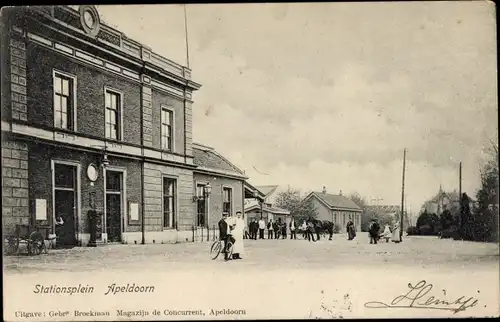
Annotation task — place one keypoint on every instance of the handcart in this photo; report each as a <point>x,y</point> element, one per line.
<point>33,238</point>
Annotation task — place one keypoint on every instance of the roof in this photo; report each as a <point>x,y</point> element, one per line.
<point>250,189</point>
<point>267,190</point>
<point>207,159</point>
<point>273,210</point>
<point>384,209</point>
<point>335,201</point>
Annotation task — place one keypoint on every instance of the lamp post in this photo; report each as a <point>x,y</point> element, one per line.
<point>256,196</point>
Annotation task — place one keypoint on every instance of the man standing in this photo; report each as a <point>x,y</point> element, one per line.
<point>351,232</point>
<point>251,227</point>
<point>293,233</point>
<point>374,231</point>
<point>284,230</point>
<point>224,233</point>
<point>262,226</point>
<point>270,229</point>
<point>310,230</point>
<point>237,232</point>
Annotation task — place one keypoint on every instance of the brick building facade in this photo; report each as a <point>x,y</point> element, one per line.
<point>93,121</point>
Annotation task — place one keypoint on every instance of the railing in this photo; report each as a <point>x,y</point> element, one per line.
<point>204,234</point>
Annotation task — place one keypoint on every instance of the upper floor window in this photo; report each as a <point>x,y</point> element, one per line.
<point>227,200</point>
<point>113,115</point>
<point>167,116</point>
<point>64,101</point>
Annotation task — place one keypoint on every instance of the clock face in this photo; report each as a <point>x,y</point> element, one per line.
<point>89,19</point>
<point>92,172</point>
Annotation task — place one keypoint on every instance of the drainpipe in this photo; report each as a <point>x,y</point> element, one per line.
<point>143,213</point>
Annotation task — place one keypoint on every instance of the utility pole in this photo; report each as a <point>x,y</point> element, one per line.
<point>460,180</point>
<point>402,197</point>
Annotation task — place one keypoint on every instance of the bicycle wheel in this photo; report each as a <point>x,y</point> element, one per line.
<point>229,250</point>
<point>12,245</point>
<point>35,243</point>
<point>215,249</point>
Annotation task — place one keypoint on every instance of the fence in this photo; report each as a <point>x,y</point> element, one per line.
<point>205,234</point>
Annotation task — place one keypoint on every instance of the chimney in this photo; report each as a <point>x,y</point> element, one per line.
<point>340,193</point>
<point>324,190</point>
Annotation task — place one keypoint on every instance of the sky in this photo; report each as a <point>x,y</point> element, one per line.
<point>329,94</point>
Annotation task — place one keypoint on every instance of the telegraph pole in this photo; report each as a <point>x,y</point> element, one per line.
<point>460,180</point>
<point>402,197</point>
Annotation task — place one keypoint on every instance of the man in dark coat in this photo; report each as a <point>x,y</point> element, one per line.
<point>351,231</point>
<point>224,235</point>
<point>374,231</point>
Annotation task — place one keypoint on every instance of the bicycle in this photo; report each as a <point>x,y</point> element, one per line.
<point>217,246</point>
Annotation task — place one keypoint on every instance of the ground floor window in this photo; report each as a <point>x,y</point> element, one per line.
<point>169,186</point>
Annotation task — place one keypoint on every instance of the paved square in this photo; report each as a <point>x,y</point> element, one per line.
<point>414,252</point>
<point>276,278</point>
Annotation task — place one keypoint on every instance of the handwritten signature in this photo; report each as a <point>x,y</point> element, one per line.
<point>417,297</point>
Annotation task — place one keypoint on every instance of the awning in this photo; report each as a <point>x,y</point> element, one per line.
<point>251,192</point>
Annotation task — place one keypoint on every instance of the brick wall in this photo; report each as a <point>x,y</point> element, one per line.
<point>90,94</point>
<point>215,203</point>
<point>159,99</point>
<point>41,184</point>
<point>18,78</point>
<point>153,196</point>
<point>147,117</point>
<point>189,128</point>
<point>15,202</point>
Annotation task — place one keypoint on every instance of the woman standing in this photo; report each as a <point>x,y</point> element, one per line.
<point>387,233</point>
<point>396,233</point>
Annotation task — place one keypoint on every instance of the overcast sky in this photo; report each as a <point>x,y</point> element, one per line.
<point>329,94</point>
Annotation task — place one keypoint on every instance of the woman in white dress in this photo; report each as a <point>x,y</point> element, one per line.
<point>387,233</point>
<point>395,233</point>
<point>238,233</point>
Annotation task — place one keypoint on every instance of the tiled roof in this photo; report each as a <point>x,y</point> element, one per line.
<point>384,209</point>
<point>208,158</point>
<point>266,190</point>
<point>336,201</point>
<point>273,210</point>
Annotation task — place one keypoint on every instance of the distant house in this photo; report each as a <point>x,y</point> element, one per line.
<point>268,212</point>
<point>253,208</point>
<point>442,200</point>
<point>336,208</point>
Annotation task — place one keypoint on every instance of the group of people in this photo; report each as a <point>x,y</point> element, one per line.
<point>275,230</point>
<point>388,233</point>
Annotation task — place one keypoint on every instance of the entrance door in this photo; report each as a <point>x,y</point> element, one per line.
<point>201,207</point>
<point>114,206</point>
<point>65,204</point>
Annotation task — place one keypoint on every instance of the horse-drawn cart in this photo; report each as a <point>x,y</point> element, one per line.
<point>32,238</point>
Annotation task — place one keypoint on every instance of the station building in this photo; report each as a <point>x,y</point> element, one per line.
<point>95,122</point>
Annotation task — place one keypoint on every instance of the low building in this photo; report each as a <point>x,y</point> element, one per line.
<point>336,208</point>
<point>255,209</point>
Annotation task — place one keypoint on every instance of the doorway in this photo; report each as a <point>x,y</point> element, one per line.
<point>114,206</point>
<point>65,204</point>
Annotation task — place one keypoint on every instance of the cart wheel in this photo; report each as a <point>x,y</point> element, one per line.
<point>11,245</point>
<point>35,243</point>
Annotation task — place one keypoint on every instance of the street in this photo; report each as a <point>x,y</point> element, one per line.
<point>326,279</point>
<point>422,252</point>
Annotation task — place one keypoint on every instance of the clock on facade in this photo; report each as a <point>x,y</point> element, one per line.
<point>89,18</point>
<point>92,172</point>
